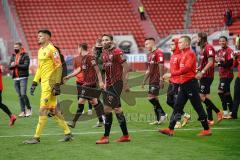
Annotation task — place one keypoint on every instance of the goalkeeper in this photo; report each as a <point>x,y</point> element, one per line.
<point>49,72</point>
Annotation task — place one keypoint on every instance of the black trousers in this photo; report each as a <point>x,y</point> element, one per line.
<point>236,98</point>
<point>4,107</point>
<point>188,90</point>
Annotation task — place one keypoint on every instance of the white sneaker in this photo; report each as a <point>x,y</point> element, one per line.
<point>99,124</point>
<point>89,112</point>
<point>154,123</point>
<point>226,115</point>
<point>28,112</point>
<point>83,112</point>
<point>22,114</point>
<point>186,119</point>
<point>178,125</point>
<point>162,119</point>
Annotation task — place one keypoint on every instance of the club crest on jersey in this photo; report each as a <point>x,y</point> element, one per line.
<point>110,57</point>
<point>84,67</point>
<point>93,62</point>
<point>210,52</point>
<point>161,59</point>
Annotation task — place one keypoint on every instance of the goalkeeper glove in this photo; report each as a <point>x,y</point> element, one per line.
<point>56,89</point>
<point>33,87</point>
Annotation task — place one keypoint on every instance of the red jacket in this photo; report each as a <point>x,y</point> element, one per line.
<point>187,70</point>
<point>175,63</point>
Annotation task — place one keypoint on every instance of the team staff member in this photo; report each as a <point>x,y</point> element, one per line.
<point>206,76</point>
<point>155,75</point>
<point>224,61</point>
<point>49,71</point>
<point>174,81</point>
<point>19,64</point>
<point>188,89</point>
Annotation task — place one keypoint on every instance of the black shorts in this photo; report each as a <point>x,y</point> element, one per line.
<point>205,85</point>
<point>89,92</point>
<point>154,89</point>
<point>115,89</point>
<point>224,84</point>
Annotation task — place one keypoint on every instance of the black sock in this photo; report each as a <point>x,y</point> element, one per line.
<point>157,108</point>
<point>209,104</point>
<point>229,102</point>
<point>209,113</point>
<point>89,106</point>
<point>108,123</point>
<point>223,99</point>
<point>174,118</point>
<point>99,110</point>
<point>122,122</point>
<point>100,119</point>
<point>79,112</point>
<point>157,114</point>
<point>204,124</point>
<point>6,109</point>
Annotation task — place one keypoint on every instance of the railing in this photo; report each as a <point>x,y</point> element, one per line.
<point>10,20</point>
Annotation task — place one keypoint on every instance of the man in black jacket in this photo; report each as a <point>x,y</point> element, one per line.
<point>19,64</point>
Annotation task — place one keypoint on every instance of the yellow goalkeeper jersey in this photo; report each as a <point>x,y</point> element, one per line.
<point>49,69</point>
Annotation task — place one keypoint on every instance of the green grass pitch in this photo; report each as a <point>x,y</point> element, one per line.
<point>146,143</point>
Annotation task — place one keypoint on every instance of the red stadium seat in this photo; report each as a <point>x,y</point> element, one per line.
<point>76,21</point>
<point>166,15</point>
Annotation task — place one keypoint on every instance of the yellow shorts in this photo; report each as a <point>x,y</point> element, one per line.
<point>48,100</point>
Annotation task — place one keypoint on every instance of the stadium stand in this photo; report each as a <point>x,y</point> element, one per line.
<point>77,21</point>
<point>210,14</point>
<point>171,22</point>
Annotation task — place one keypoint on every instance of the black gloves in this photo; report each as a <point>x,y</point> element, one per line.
<point>33,87</point>
<point>56,89</point>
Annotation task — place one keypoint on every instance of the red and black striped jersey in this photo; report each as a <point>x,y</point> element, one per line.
<point>112,63</point>
<point>206,53</point>
<point>225,54</point>
<point>154,59</point>
<point>89,72</point>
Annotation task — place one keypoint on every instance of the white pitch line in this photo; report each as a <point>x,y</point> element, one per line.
<point>114,132</point>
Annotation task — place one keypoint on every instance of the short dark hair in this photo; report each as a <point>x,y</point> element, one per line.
<point>45,31</point>
<point>84,46</point>
<point>203,36</point>
<point>108,35</point>
<point>18,43</point>
<point>187,38</point>
<point>223,37</point>
<point>150,38</point>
